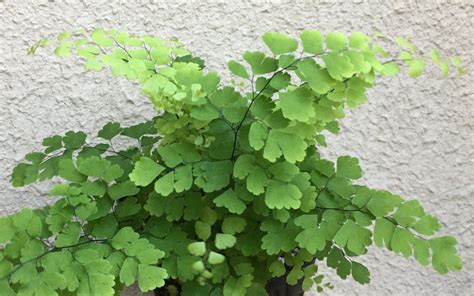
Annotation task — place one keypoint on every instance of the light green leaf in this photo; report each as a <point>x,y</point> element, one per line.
<point>359,40</point>
<point>197,248</point>
<point>33,248</point>
<point>279,42</point>
<point>383,232</point>
<point>281,195</point>
<point>225,241</point>
<point>95,188</point>
<point>128,272</point>
<point>145,171</point>
<point>312,41</point>
<point>415,67</point>
<point>231,202</point>
<point>444,257</point>
<point>69,235</point>
<point>151,277</point>
<point>215,258</point>
<point>382,203</point>
<point>291,146</point>
<point>122,189</point>
<point>124,237</point>
<point>401,242</point>
<point>22,218</point>
<point>336,41</point>
<point>205,113</point>
<point>427,225</point>
<point>311,239</point>
<point>259,63</point>
<point>353,236</point>
<point>237,69</point>
<point>339,66</point>
<point>348,167</point>
<point>257,135</point>
<point>93,166</point>
<point>318,78</point>
<point>297,104</point>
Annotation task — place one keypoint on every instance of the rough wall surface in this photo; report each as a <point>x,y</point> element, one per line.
<point>414,137</point>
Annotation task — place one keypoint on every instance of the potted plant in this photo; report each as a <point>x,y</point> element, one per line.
<point>224,192</point>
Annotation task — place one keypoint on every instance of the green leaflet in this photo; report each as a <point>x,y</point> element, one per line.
<point>281,195</point>
<point>237,69</point>
<point>259,63</point>
<point>279,42</point>
<point>110,130</point>
<point>297,104</point>
<point>312,41</point>
<point>212,176</point>
<point>354,237</point>
<point>348,167</point>
<point>145,171</point>
<point>336,41</point>
<point>291,146</point>
<point>231,201</point>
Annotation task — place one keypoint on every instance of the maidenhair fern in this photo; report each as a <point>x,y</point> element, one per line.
<point>225,186</point>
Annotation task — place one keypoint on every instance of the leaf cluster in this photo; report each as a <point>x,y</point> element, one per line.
<point>224,188</point>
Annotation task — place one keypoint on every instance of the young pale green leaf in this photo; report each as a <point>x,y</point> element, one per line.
<point>415,67</point>
<point>359,40</point>
<point>225,241</point>
<point>318,78</point>
<point>336,41</point>
<point>312,41</point>
<point>145,171</point>
<point>279,43</point>
<point>197,248</point>
<point>215,258</point>
<point>339,66</point>
<point>259,63</point>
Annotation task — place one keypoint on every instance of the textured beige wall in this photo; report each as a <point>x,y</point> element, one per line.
<point>414,137</point>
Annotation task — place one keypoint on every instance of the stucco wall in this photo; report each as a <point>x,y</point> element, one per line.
<point>414,137</point>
